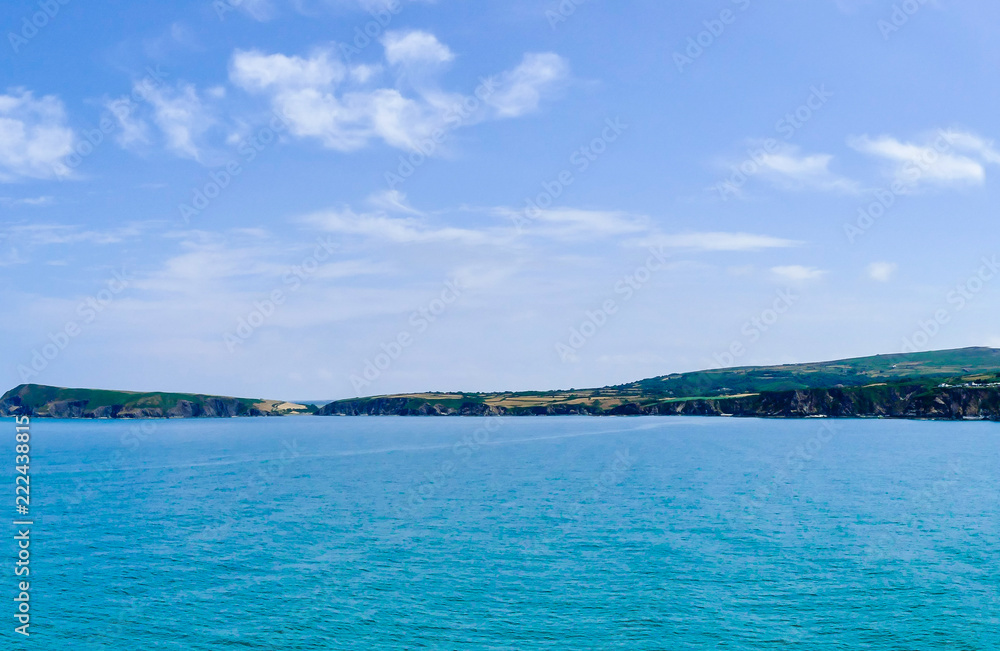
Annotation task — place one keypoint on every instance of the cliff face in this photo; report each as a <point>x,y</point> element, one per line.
<point>212,408</point>
<point>905,401</point>
<point>866,402</point>
<point>405,407</point>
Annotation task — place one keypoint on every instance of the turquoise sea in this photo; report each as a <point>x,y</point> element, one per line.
<point>521,533</point>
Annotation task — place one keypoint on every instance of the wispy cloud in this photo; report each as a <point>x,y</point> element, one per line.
<point>797,273</point>
<point>947,158</point>
<point>577,223</point>
<point>720,241</point>
<point>566,226</point>
<point>47,234</point>
<point>415,48</point>
<point>398,230</point>
<point>393,201</point>
<point>10,202</point>
<point>182,117</point>
<point>181,114</point>
<point>19,242</point>
<point>791,170</point>
<point>521,90</point>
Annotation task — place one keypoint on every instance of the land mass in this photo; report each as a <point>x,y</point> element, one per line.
<point>57,402</point>
<point>947,385</point>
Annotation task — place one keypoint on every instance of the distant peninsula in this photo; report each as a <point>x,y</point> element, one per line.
<point>38,400</point>
<point>961,384</point>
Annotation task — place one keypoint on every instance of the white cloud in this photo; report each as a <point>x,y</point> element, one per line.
<point>882,271</point>
<point>363,73</point>
<point>34,138</point>
<point>719,241</point>
<point>576,223</point>
<point>415,47</point>
<point>181,116</point>
<point>255,71</point>
<point>303,90</point>
<point>797,273</point>
<point>520,91</point>
<point>27,201</point>
<point>562,225</point>
<point>790,170</point>
<point>970,142</point>
<point>392,201</point>
<point>944,159</point>
<point>321,98</point>
<point>398,230</point>
<point>565,224</point>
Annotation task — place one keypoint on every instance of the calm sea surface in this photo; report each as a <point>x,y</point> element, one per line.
<point>526,533</point>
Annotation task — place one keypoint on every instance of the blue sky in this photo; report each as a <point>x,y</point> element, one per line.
<point>327,198</point>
